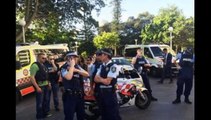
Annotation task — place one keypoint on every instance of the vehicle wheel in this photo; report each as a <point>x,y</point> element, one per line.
<point>144,101</point>
<point>91,111</point>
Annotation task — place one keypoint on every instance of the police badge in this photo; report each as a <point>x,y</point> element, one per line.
<point>113,69</point>
<point>107,68</point>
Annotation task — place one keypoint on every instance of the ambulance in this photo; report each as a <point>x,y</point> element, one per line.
<point>25,57</point>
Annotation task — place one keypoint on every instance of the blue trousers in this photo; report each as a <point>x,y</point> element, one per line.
<point>188,86</point>
<point>72,104</point>
<point>109,106</point>
<point>146,82</point>
<point>55,90</point>
<point>42,102</point>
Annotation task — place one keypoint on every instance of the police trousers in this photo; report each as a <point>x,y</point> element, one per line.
<point>188,81</point>
<point>73,103</point>
<point>109,104</point>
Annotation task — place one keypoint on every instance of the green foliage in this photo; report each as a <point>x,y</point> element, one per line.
<point>116,26</point>
<point>62,15</point>
<point>87,46</point>
<point>106,39</point>
<point>133,26</point>
<point>157,31</point>
<point>84,54</point>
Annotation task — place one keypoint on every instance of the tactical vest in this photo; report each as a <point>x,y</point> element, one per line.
<point>104,72</point>
<point>42,73</point>
<point>76,83</point>
<point>140,63</point>
<point>96,66</point>
<point>186,60</point>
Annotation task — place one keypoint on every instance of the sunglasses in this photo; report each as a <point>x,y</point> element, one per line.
<point>99,54</point>
<point>44,58</point>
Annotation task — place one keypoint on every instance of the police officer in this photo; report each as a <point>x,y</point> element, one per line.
<point>141,65</point>
<point>39,79</point>
<point>106,76</point>
<point>73,96</point>
<point>185,76</point>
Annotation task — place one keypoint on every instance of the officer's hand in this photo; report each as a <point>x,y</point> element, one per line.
<point>72,62</point>
<point>76,70</point>
<point>39,90</point>
<point>49,87</point>
<point>52,61</point>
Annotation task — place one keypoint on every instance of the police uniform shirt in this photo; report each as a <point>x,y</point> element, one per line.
<point>140,61</point>
<point>65,71</point>
<point>113,72</point>
<point>192,60</point>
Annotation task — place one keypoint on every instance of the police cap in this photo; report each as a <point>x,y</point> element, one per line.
<point>105,51</point>
<point>71,53</point>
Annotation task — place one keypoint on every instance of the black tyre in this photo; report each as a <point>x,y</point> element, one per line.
<point>91,111</point>
<point>144,101</point>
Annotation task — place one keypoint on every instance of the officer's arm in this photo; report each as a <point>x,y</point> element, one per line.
<point>105,81</point>
<point>133,60</point>
<point>55,67</point>
<point>82,72</point>
<point>99,79</point>
<point>33,70</point>
<point>113,73</point>
<point>68,74</point>
<point>147,64</point>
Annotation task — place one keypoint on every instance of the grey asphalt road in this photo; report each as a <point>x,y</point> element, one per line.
<point>163,109</point>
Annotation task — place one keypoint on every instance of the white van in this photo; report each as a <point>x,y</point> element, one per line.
<point>25,56</point>
<point>153,54</point>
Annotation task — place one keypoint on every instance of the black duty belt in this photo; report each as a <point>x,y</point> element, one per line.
<point>73,92</point>
<point>106,88</point>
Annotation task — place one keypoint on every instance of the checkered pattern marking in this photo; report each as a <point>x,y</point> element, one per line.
<point>23,80</point>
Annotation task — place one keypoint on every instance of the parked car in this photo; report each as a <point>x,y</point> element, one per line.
<point>122,62</point>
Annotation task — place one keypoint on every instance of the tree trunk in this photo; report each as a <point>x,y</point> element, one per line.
<point>29,20</point>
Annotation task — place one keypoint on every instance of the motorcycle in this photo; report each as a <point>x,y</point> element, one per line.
<point>129,88</point>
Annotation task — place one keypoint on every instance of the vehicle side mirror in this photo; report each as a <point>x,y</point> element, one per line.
<point>18,65</point>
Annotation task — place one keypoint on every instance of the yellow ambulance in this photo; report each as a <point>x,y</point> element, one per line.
<point>25,56</point>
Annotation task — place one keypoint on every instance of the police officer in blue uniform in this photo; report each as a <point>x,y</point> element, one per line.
<point>73,96</point>
<point>141,65</point>
<point>185,76</point>
<point>107,78</point>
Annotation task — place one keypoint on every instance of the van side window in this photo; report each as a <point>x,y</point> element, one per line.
<point>147,52</point>
<point>130,52</point>
<point>24,57</point>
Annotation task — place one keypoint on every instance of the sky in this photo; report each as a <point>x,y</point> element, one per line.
<point>134,7</point>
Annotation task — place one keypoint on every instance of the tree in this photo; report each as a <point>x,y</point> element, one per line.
<point>107,39</point>
<point>157,31</point>
<point>133,26</point>
<point>116,15</point>
<point>67,11</point>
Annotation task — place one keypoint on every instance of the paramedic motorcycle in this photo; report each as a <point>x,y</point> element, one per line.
<point>130,88</point>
